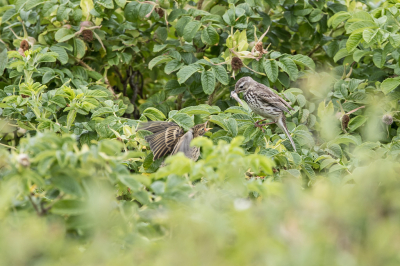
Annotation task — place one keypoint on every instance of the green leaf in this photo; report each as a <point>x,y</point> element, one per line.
<point>181,24</point>
<point>102,111</point>
<point>369,34</point>
<point>379,58</point>
<point>289,67</point>
<point>132,11</point>
<point>106,3</point>
<point>130,182</point>
<point>271,69</point>
<point>172,66</point>
<point>358,54</point>
<point>8,15</point>
<point>61,33</point>
<point>390,84</point>
<point>394,40</point>
<point>190,30</point>
<point>47,58</point>
<point>162,34</point>
<point>220,74</point>
<point>229,17</point>
<point>353,41</point>
<point>63,12</point>
<point>303,60</point>
<point>316,15</point>
<point>86,6</point>
<point>195,110</point>
<point>58,100</point>
<point>32,3</point>
<point>66,184</point>
<point>340,54</point>
<point>96,93</point>
<point>360,25</point>
<point>208,81</point>
<point>209,36</point>
<point>154,114</point>
<point>357,121</point>
<point>159,60</point>
<point>232,126</point>
<point>185,72</point>
<point>159,47</point>
<point>120,3</point>
<point>183,120</point>
<point>68,207</point>
<point>94,75</point>
<point>79,48</point>
<point>338,18</point>
<point>144,9</point>
<point>49,75</point>
<point>3,61</point>
<point>19,4</point>
<point>62,54</point>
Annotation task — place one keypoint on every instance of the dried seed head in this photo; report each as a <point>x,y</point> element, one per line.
<point>160,12</point>
<point>387,119</point>
<point>259,47</point>
<point>23,160</point>
<point>345,121</point>
<point>24,45</point>
<point>236,63</point>
<point>87,35</point>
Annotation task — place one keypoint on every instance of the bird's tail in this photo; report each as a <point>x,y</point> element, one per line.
<point>282,125</point>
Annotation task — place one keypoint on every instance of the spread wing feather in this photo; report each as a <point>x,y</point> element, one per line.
<point>156,126</point>
<point>183,144</point>
<point>165,138</point>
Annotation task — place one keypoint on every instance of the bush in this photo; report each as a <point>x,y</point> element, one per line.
<point>78,184</point>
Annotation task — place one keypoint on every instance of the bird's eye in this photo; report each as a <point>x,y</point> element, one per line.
<point>241,86</point>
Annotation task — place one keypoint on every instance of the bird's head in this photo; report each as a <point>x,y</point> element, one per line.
<point>243,84</point>
<point>200,130</point>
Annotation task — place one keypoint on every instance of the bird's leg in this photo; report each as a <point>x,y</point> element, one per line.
<point>256,124</point>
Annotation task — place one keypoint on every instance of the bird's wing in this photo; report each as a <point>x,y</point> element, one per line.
<point>183,144</point>
<point>164,141</point>
<point>156,126</point>
<point>267,95</point>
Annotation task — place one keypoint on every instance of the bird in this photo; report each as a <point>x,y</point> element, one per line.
<point>169,138</point>
<point>264,102</point>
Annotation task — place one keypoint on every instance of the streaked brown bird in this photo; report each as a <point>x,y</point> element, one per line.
<point>264,102</point>
<point>169,138</point>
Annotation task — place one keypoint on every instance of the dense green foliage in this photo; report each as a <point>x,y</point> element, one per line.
<point>78,184</point>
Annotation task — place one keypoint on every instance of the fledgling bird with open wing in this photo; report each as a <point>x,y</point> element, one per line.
<point>169,138</point>
<point>264,102</point>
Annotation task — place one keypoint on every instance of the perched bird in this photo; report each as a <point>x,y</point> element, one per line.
<point>170,138</point>
<point>264,102</point>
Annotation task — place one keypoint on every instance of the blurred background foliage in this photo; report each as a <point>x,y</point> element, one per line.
<point>78,184</point>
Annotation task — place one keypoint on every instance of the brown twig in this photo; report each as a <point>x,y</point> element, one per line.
<point>179,101</point>
<point>355,110</point>
<point>34,206</point>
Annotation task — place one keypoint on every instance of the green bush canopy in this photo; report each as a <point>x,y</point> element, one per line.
<point>78,183</point>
